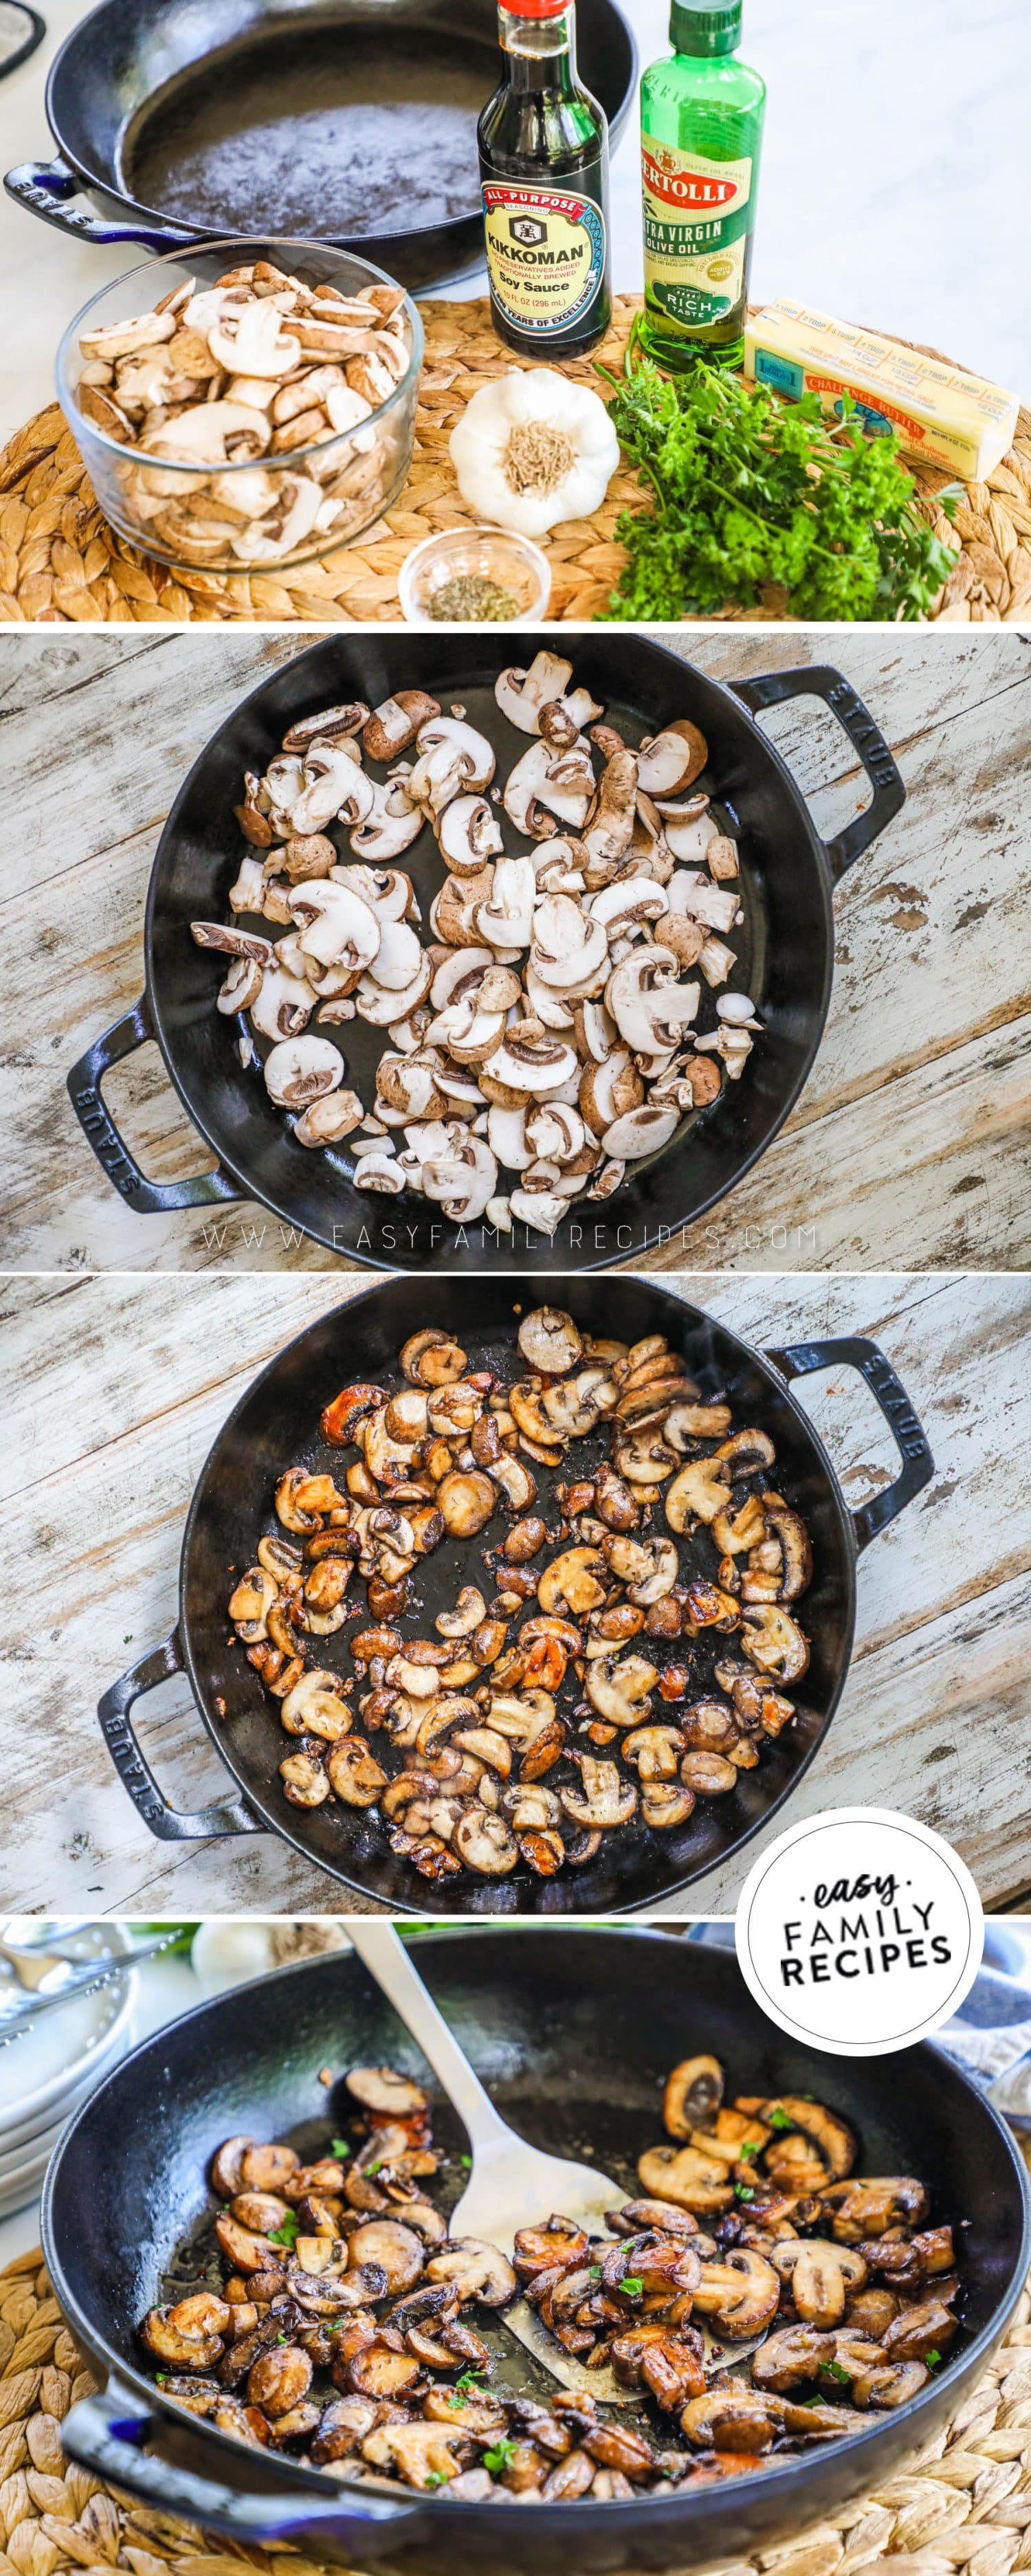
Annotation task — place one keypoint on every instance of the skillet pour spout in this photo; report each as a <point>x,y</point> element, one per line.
<point>275,1425</point>
<point>785,950</point>
<point>126,2188</point>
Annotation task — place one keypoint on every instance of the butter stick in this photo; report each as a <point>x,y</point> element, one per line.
<point>942,415</point>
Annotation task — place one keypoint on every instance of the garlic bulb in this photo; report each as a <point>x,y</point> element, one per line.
<point>534,449</point>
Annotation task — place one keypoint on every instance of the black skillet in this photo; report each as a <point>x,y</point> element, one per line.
<point>274,1426</point>
<point>351,122</point>
<point>572,2034</point>
<point>786,950</point>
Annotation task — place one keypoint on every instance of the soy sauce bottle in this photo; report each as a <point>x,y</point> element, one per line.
<point>544,163</point>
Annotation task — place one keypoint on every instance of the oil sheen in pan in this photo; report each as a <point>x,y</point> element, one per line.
<point>362,1046</point>
<point>437,1580</point>
<point>311,133</point>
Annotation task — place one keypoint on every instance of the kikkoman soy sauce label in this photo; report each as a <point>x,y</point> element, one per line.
<point>546,252</point>
<point>695,232</point>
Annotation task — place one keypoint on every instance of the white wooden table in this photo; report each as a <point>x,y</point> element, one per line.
<point>911,1146</point>
<point>115,1388</point>
<point>892,183</point>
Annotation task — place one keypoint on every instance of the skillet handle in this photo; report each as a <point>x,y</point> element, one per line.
<point>854,1351</point>
<point>146,1198</point>
<point>168,1824</point>
<point>45,187</point>
<point>105,2434</point>
<point>889,794</point>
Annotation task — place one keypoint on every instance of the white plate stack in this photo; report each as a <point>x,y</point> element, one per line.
<point>49,2069</point>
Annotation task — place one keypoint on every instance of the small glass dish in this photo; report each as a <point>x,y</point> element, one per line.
<point>219,518</point>
<point>495,555</point>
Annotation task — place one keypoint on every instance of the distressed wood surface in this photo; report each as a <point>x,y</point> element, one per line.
<point>910,1146</point>
<point>116,1387</point>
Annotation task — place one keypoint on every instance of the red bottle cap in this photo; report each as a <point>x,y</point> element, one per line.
<point>536,8</point>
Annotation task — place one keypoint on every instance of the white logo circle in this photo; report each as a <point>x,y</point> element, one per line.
<point>859,1931</point>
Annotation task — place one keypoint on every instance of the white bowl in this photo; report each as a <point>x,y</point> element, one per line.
<point>51,2065</point>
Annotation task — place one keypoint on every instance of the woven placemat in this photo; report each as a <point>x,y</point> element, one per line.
<point>61,563</point>
<point>965,2502</point>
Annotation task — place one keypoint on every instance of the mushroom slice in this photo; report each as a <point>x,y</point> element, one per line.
<point>648,1567</point>
<point>796,1551</point>
<point>773,1641</point>
<point>354,1775</point>
<point>485,1843</point>
<point>316,1706</point>
<point>673,759</point>
<point>432,1358</point>
<point>549,1341</point>
<point>300,1070</point>
<point>694,2181</point>
<point>469,834</point>
<point>620,1691</point>
<point>335,927</point>
<point>647,1130</point>
<point>610,831</point>
<point>521,695</point>
<point>574,1408</point>
<point>571,1583</point>
<point>423,2454</point>
<point>470,1608</point>
<point>327,1121</point>
<point>393,2248</point>
<point>391,824</point>
<point>650,1007</point>
<point>506,920</point>
<point>190,2333</point>
<point>394,725</point>
<point>655,1752</point>
<point>283,1004</point>
<point>382,2089</point>
<point>568,947</point>
<point>562,783</point>
<point>532,1062</point>
<point>693,2094</point>
<point>466,1498</point>
<point>698,1493</point>
<point>604,1799</point>
<point>475,2270</point>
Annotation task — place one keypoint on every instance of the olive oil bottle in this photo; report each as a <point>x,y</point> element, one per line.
<point>544,163</point>
<point>701,135</point>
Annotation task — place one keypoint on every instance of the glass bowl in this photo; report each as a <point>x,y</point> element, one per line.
<point>221,519</point>
<point>496,555</point>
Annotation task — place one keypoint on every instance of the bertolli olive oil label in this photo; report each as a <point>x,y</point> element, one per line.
<point>696,230</point>
<point>546,253</point>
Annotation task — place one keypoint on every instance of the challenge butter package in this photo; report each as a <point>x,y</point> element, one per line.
<point>941,415</point>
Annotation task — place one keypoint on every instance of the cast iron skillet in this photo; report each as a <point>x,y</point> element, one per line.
<point>138,83</point>
<point>274,1426</point>
<point>572,2034</point>
<point>788,874</point>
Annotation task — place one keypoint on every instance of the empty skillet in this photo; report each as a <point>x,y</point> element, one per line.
<point>572,2034</point>
<point>788,875</point>
<point>344,121</point>
<point>275,1426</point>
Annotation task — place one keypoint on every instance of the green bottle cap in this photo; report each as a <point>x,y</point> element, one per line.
<point>705,26</point>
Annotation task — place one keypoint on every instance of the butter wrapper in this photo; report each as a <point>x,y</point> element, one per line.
<point>942,416</point>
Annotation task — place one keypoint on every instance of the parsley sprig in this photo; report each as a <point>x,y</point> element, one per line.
<point>764,504</point>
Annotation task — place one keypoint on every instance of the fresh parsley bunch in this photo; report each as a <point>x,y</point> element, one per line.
<point>752,494</point>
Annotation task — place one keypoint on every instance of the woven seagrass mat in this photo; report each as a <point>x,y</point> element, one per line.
<point>965,2503</point>
<point>61,563</point>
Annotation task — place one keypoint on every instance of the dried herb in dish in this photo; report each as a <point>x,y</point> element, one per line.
<point>472,599</point>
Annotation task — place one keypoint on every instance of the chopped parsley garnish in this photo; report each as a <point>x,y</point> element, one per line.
<point>435,2478</point>
<point>340,2149</point>
<point>833,2370</point>
<point>932,2359</point>
<point>499,2457</point>
<point>286,2234</point>
<point>778,2119</point>
<point>633,2282</point>
<point>764,504</point>
<point>376,2168</point>
<point>752,2147</point>
<point>595,2272</point>
<point>743,2191</point>
<point>161,2377</point>
<point>467,2162</point>
<point>282,2338</point>
<point>467,2381</point>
